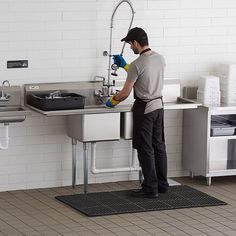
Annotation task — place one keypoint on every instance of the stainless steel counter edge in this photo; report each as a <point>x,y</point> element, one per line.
<point>220,107</point>
<point>86,110</point>
<point>189,104</point>
<point>216,107</point>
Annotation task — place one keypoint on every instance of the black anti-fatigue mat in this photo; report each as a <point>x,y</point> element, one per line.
<point>118,202</point>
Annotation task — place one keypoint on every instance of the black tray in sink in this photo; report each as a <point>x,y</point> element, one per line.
<point>66,101</point>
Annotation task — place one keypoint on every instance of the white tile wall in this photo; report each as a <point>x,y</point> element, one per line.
<point>64,40</point>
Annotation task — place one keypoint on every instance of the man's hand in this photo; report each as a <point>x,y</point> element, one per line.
<point>120,61</point>
<point>111,102</point>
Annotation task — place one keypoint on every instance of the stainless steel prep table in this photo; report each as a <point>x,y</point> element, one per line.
<point>203,153</point>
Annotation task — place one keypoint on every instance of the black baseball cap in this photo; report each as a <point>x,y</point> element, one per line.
<point>137,34</point>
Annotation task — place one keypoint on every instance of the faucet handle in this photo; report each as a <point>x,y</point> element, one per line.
<point>5,97</point>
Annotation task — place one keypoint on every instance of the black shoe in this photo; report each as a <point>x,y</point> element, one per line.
<point>141,194</point>
<point>162,190</point>
<point>163,187</point>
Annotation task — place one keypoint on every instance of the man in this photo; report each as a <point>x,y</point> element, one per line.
<point>145,75</point>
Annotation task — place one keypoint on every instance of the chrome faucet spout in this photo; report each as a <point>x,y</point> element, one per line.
<point>113,14</point>
<point>3,95</point>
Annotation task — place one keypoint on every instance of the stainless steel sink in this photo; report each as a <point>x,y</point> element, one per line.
<point>11,109</point>
<point>94,127</point>
<point>94,122</point>
<point>10,114</point>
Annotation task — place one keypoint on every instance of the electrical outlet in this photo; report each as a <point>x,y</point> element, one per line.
<point>17,64</point>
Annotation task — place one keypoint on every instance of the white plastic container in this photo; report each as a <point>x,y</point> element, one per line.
<point>209,82</point>
<point>228,87</point>
<point>231,94</point>
<point>212,98</point>
<point>227,71</point>
<point>227,83</point>
<point>227,74</point>
<point>228,100</point>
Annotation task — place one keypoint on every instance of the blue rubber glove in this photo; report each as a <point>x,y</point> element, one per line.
<point>111,102</point>
<point>119,60</point>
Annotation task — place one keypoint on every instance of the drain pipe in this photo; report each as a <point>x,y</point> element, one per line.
<point>134,166</point>
<point>6,138</point>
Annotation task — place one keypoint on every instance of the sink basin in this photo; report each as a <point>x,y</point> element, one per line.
<point>94,127</point>
<point>10,114</point>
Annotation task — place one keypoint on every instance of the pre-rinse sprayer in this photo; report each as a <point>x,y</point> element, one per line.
<point>111,27</point>
<point>111,66</point>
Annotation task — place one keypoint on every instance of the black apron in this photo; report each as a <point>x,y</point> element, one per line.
<point>138,110</point>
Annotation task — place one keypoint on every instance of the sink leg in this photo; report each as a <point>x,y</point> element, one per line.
<point>74,143</point>
<point>208,181</point>
<point>85,150</point>
<point>140,176</point>
<point>192,174</point>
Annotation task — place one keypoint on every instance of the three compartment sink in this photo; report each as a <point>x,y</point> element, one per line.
<point>11,114</point>
<point>95,122</point>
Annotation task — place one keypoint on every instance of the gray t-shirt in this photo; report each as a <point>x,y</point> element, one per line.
<point>147,73</point>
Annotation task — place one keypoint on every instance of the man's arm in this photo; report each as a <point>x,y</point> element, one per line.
<point>124,93</point>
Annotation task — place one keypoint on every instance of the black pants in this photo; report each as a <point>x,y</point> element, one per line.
<point>149,140</point>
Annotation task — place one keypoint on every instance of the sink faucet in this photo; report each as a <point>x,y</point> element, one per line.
<point>106,90</point>
<point>4,96</point>
<point>109,84</point>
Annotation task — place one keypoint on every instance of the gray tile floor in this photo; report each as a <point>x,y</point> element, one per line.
<point>36,212</point>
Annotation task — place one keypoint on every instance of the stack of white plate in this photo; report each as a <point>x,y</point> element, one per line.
<point>227,74</point>
<point>209,90</point>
